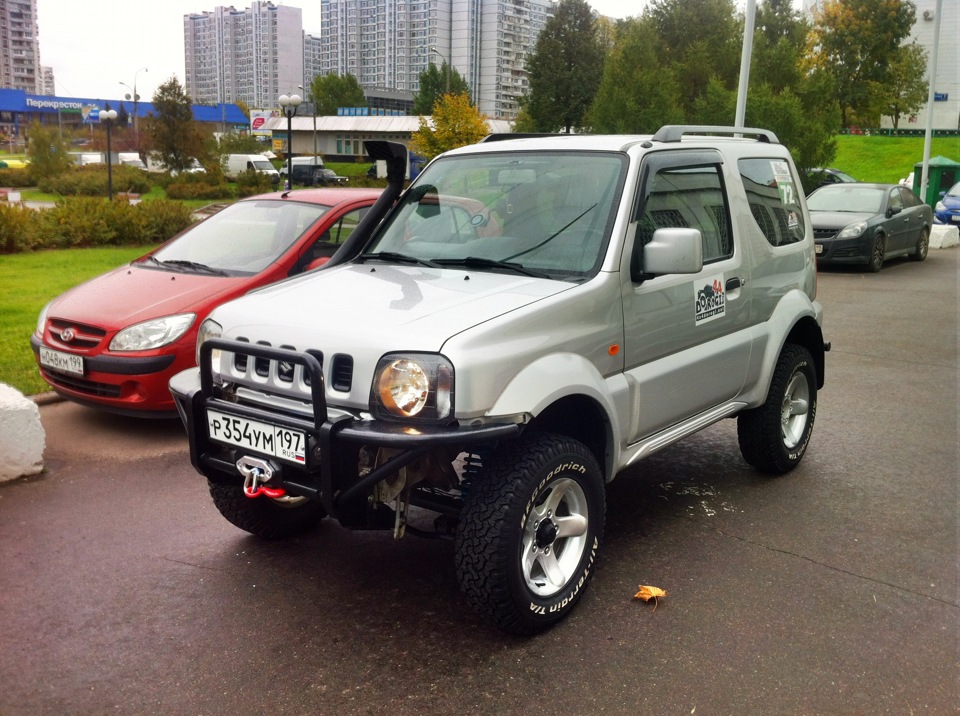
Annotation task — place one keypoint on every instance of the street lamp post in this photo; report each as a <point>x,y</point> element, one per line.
<point>136,100</point>
<point>106,118</point>
<point>446,64</point>
<point>289,104</point>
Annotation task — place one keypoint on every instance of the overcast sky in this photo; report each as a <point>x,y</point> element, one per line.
<point>93,46</point>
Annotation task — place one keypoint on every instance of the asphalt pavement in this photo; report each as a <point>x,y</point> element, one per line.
<point>832,590</point>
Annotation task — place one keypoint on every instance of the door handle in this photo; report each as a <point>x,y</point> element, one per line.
<point>734,283</point>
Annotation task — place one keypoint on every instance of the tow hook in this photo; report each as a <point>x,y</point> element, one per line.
<point>255,473</point>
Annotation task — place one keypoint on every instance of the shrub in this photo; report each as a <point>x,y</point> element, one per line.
<point>15,177</point>
<point>198,190</point>
<point>76,222</point>
<point>18,229</point>
<point>250,182</point>
<point>164,219</point>
<point>91,180</point>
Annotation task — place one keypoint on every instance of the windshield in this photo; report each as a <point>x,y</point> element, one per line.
<point>954,190</point>
<point>242,239</point>
<point>848,198</point>
<point>262,165</point>
<point>543,214</point>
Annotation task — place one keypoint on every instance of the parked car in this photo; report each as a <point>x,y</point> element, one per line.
<point>314,161</point>
<point>818,177</point>
<point>948,208</point>
<point>328,177</point>
<point>868,224</point>
<point>306,174</point>
<point>115,341</point>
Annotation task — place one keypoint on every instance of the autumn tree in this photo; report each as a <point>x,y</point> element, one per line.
<point>906,89</point>
<point>333,91</point>
<point>48,151</point>
<point>175,137</point>
<point>456,123</point>
<point>856,41</point>
<point>564,69</point>
<point>434,82</point>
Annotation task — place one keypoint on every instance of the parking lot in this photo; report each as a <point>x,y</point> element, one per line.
<point>832,590</point>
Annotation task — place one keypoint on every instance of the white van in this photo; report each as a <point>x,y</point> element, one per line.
<point>235,164</point>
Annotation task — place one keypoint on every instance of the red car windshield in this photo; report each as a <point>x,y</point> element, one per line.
<point>243,238</point>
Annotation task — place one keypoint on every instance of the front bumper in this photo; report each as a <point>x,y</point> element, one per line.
<point>321,475</point>
<point>844,251</point>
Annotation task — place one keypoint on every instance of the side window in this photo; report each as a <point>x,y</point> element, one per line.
<point>773,194</point>
<point>689,197</point>
<point>329,241</point>
<point>908,197</point>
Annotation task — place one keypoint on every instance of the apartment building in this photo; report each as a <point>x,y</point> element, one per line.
<point>251,56</point>
<point>19,46</point>
<point>388,43</point>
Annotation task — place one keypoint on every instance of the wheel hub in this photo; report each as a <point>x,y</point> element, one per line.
<point>546,533</point>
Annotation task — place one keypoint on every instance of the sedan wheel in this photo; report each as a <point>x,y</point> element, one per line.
<point>876,256</point>
<point>923,245</point>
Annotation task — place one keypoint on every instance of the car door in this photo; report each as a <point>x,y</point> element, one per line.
<point>913,211</point>
<point>898,221</point>
<point>686,337</point>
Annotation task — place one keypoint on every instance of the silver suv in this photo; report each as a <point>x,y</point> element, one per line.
<point>498,341</point>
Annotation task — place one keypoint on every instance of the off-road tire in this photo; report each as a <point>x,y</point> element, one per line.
<point>538,504</point>
<point>923,246</point>
<point>774,437</point>
<point>264,516</point>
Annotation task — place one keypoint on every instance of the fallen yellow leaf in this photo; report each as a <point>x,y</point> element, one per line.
<point>647,593</point>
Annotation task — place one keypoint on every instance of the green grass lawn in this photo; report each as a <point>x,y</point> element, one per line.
<point>27,282</point>
<point>888,159</point>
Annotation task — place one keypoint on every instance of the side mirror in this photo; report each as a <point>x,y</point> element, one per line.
<point>893,211</point>
<point>317,263</point>
<point>673,251</point>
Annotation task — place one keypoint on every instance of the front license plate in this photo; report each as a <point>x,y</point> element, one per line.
<point>819,249</point>
<point>955,218</point>
<point>63,362</point>
<point>258,437</point>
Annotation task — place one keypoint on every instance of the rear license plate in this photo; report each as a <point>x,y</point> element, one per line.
<point>819,249</point>
<point>59,361</point>
<point>258,437</point>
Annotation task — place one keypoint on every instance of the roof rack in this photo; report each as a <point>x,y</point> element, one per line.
<point>675,132</point>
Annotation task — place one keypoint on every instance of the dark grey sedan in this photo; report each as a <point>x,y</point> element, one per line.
<point>868,224</point>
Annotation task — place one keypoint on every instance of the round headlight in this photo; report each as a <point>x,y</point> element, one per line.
<point>403,387</point>
<point>209,329</point>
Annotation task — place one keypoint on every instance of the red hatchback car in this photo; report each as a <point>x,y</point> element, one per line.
<point>114,342</point>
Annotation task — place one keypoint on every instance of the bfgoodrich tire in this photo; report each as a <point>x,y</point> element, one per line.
<point>265,516</point>
<point>774,437</point>
<point>530,532</point>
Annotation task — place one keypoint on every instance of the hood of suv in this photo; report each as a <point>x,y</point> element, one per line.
<point>379,307</point>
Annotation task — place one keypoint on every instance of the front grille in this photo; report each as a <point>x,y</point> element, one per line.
<point>283,378</point>
<point>341,374</point>
<point>85,336</point>
<point>824,233</point>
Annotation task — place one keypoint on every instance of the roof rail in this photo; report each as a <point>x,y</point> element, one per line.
<point>675,132</point>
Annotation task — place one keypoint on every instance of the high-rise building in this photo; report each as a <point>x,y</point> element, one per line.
<point>19,46</point>
<point>388,43</point>
<point>251,56</point>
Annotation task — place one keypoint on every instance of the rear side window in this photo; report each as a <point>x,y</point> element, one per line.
<point>773,194</point>
<point>689,198</point>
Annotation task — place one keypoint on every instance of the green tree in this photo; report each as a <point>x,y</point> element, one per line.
<point>175,137</point>
<point>565,68</point>
<point>333,91</point>
<point>906,89</point>
<point>856,41</point>
<point>636,95</point>
<point>434,83</point>
<point>456,123</point>
<point>48,151</point>
<point>699,40</point>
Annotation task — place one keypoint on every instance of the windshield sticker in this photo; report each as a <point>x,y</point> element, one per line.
<point>711,301</point>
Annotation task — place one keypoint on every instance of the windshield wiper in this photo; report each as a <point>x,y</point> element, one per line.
<point>193,265</point>
<point>399,258</point>
<point>478,262</point>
